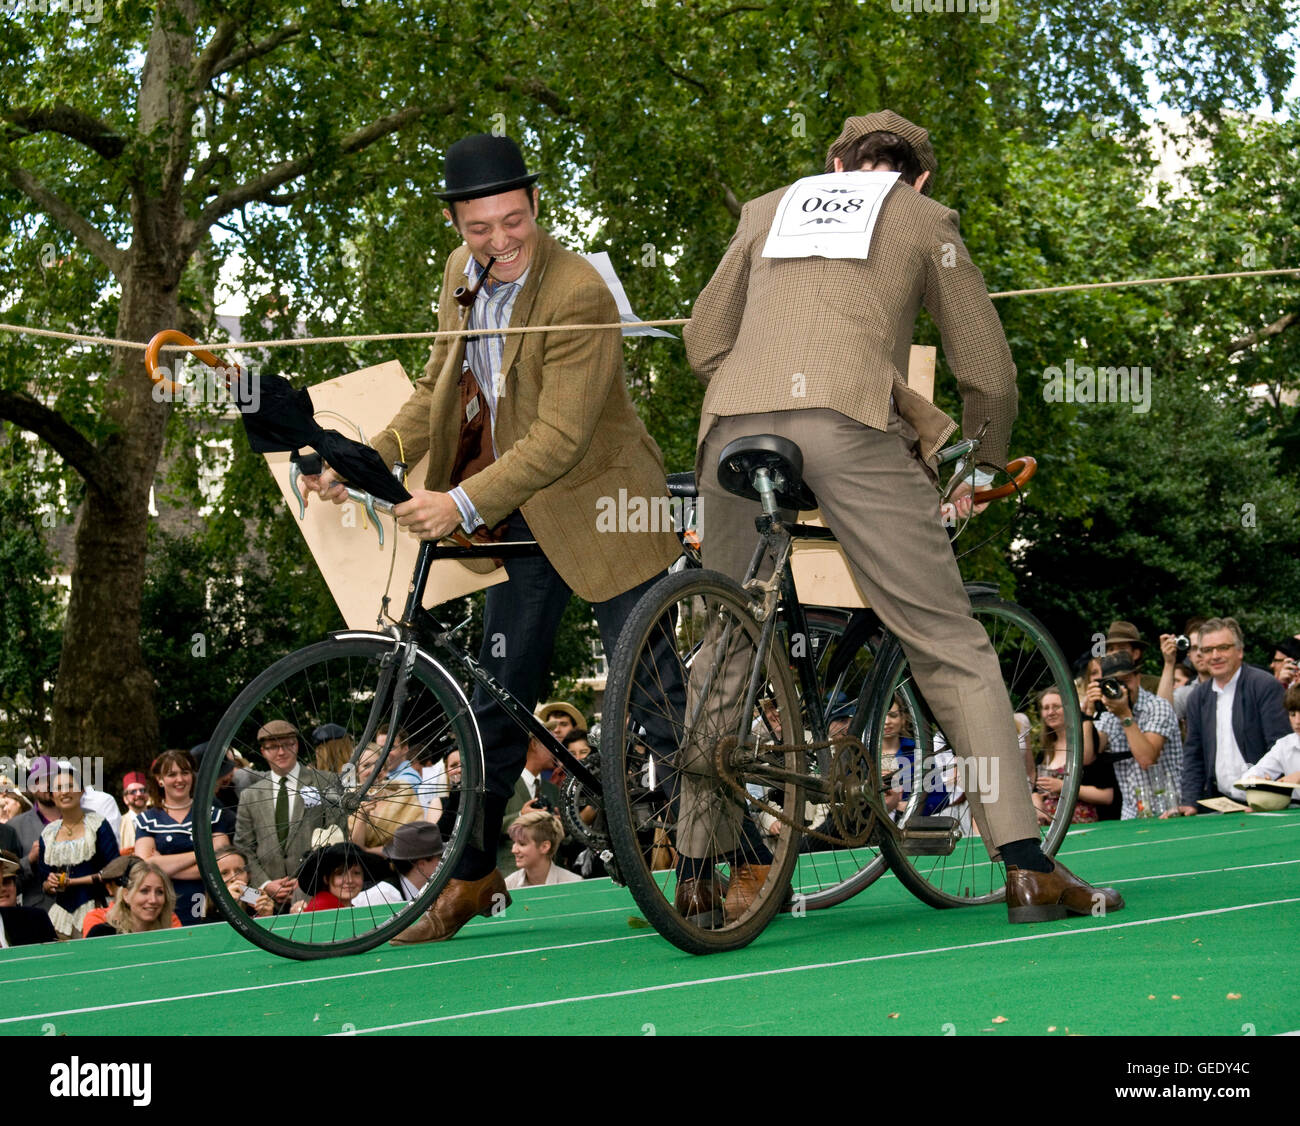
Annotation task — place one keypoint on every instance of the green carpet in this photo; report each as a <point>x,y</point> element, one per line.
<point>1204,947</point>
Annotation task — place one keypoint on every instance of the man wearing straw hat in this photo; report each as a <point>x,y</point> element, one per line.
<point>812,345</point>
<point>529,436</point>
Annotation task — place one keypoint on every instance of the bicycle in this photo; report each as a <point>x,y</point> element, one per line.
<point>400,679</point>
<point>802,823</point>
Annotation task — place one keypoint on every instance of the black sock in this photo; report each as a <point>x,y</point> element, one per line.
<point>480,857</point>
<point>1025,854</point>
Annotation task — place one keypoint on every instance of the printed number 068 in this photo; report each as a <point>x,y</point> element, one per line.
<point>818,204</point>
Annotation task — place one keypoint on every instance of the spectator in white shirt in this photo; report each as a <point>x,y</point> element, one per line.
<point>537,835</point>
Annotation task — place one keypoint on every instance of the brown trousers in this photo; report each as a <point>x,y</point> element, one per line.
<point>876,497</point>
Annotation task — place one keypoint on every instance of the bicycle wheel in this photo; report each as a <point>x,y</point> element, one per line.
<point>947,873</point>
<point>844,646</point>
<point>692,790</point>
<point>338,681</point>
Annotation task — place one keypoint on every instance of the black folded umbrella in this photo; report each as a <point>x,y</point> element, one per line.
<point>284,419</point>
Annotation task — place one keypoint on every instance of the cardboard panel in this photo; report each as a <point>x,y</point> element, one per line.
<point>821,573</point>
<point>341,538</point>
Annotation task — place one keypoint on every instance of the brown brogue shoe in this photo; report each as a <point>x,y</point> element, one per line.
<point>1037,897</point>
<point>699,902</point>
<point>747,881</point>
<point>459,902</point>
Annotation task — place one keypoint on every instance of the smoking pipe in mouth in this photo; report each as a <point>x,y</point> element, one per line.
<point>466,297</point>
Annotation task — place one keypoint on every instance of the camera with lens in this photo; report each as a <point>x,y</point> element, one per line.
<point>1182,645</point>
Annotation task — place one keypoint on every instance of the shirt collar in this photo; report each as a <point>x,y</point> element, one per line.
<point>1231,685</point>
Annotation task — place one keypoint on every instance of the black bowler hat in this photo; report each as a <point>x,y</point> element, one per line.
<point>481,165</point>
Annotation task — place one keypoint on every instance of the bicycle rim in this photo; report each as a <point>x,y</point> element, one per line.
<point>337,681</point>
<point>1031,663</point>
<point>673,728</point>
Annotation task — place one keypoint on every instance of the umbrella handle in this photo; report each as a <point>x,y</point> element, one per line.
<point>368,501</point>
<point>175,336</point>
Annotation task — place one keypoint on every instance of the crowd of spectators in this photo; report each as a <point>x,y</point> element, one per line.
<point>1172,729</point>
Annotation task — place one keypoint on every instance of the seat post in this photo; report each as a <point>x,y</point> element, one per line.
<point>766,490</point>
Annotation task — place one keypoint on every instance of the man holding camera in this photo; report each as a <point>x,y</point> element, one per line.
<point>1141,735</point>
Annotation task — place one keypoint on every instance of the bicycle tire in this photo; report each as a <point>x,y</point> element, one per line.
<point>649,724</point>
<point>336,681</point>
<point>827,874</point>
<point>1031,662</point>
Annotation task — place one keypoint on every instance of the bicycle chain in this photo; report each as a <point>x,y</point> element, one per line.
<point>845,776</point>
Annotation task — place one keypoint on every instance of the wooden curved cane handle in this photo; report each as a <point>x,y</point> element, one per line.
<point>1020,470</point>
<point>173,336</point>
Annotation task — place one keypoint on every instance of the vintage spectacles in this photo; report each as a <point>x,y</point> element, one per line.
<point>279,744</point>
<point>135,790</point>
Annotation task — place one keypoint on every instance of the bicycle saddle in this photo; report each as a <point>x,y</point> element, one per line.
<point>780,456</point>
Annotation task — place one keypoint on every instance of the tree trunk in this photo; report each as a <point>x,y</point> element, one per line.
<point>104,695</point>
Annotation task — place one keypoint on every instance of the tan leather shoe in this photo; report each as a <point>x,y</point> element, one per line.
<point>699,902</point>
<point>1036,897</point>
<point>747,881</point>
<point>459,902</point>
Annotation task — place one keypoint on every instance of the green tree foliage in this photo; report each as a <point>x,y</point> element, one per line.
<point>301,145</point>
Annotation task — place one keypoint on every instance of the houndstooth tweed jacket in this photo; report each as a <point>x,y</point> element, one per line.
<point>796,333</point>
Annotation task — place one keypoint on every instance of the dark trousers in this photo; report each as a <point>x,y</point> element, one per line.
<point>520,621</point>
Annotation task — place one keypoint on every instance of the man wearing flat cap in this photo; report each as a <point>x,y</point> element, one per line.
<point>812,345</point>
<point>527,435</point>
<point>278,813</point>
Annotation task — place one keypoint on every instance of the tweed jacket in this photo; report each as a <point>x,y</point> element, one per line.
<point>796,333</point>
<point>255,824</point>
<point>1259,720</point>
<point>568,436</point>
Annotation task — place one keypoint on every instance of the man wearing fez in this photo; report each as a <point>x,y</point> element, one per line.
<point>815,349</point>
<point>527,434</point>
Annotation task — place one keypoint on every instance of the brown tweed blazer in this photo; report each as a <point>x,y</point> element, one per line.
<point>790,334</point>
<point>568,435</point>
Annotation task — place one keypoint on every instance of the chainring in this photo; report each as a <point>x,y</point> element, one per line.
<point>852,780</point>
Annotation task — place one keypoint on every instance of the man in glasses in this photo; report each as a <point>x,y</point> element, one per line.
<point>278,813</point>
<point>1232,719</point>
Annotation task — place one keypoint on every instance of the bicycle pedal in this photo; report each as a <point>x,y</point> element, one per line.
<point>930,836</point>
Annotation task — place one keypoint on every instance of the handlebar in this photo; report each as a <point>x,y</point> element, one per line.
<point>1019,470</point>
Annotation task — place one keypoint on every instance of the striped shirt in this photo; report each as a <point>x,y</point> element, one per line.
<point>484,354</point>
<point>1163,780</point>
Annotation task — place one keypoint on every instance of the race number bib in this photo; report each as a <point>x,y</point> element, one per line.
<point>829,216</point>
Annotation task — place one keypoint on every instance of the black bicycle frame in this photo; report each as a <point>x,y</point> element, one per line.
<point>432,634</point>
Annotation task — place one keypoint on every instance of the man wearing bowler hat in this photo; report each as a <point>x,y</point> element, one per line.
<point>528,436</point>
<point>278,813</point>
<point>814,349</point>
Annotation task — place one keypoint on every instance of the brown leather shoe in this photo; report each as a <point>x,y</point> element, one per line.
<point>459,902</point>
<point>699,902</point>
<point>1036,897</point>
<point>747,881</point>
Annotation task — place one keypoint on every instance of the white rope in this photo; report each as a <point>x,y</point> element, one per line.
<point>674,322</point>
